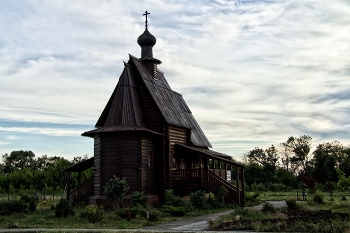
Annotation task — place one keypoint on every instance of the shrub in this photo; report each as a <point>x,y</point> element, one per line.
<point>93,213</point>
<point>138,198</point>
<point>32,205</point>
<point>277,187</point>
<point>292,204</point>
<point>213,201</point>
<point>135,210</point>
<point>252,199</point>
<point>10,207</point>
<point>26,198</point>
<point>198,200</point>
<point>221,194</point>
<point>343,198</point>
<point>258,187</point>
<point>63,208</point>
<point>171,199</point>
<point>174,210</point>
<point>115,190</point>
<point>268,207</point>
<point>153,215</point>
<point>44,205</point>
<point>317,198</point>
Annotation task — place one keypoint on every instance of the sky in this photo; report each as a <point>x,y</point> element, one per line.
<point>252,72</point>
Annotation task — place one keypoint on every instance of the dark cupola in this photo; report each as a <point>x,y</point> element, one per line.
<point>146,42</point>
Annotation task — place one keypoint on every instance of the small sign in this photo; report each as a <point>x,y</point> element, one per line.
<point>228,175</point>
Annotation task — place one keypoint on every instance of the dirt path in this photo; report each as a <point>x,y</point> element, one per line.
<point>201,223</point>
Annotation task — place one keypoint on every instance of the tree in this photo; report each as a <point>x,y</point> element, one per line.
<point>18,160</point>
<point>268,158</point>
<point>253,173</point>
<point>343,182</point>
<point>325,160</point>
<point>296,153</point>
<point>115,190</point>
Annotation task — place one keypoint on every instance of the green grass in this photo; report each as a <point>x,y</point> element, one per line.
<point>254,219</point>
<point>48,219</point>
<point>276,196</point>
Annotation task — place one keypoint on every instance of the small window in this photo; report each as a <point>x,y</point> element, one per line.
<point>150,160</point>
<point>173,162</point>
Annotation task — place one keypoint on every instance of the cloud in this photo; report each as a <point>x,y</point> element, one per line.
<point>252,72</point>
<point>45,131</point>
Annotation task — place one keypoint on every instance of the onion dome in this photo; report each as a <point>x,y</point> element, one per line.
<point>146,41</point>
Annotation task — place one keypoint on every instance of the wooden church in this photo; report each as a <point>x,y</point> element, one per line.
<point>147,134</point>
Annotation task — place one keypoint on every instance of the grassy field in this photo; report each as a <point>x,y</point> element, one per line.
<point>276,222</point>
<point>51,196</point>
<point>110,220</point>
<point>275,196</point>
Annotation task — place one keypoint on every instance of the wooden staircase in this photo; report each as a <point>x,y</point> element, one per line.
<point>195,179</point>
<point>83,191</point>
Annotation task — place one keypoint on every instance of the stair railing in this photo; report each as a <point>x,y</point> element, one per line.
<point>83,190</point>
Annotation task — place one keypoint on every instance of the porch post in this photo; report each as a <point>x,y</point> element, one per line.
<point>243,187</point>
<point>68,185</point>
<point>79,182</point>
<point>237,185</point>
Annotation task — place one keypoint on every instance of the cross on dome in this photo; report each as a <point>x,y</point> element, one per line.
<point>145,14</point>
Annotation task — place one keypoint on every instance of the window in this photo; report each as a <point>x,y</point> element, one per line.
<point>173,162</point>
<point>150,160</point>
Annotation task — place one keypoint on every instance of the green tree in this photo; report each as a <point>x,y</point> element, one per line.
<point>115,190</point>
<point>253,173</point>
<point>296,153</point>
<point>18,160</point>
<point>268,158</point>
<point>343,182</point>
<point>325,159</point>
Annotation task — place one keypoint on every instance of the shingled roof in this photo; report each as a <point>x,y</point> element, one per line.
<point>123,110</point>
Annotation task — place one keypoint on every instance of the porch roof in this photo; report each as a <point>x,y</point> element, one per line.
<point>212,154</point>
<point>82,166</point>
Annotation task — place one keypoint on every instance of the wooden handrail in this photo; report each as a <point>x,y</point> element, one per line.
<point>83,190</point>
<point>210,180</point>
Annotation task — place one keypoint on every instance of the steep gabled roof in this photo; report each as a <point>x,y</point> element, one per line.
<point>123,107</point>
<point>123,110</point>
<point>170,103</point>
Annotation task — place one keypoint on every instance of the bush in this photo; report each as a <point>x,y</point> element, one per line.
<point>317,198</point>
<point>115,190</point>
<point>26,198</point>
<point>44,205</point>
<point>258,187</point>
<point>221,194</point>
<point>153,215</point>
<point>343,198</point>
<point>171,199</point>
<point>138,198</point>
<point>10,207</point>
<point>93,213</point>
<point>252,199</point>
<point>174,211</point>
<point>268,207</point>
<point>292,204</point>
<point>64,208</point>
<point>213,201</point>
<point>277,187</point>
<point>135,210</point>
<point>198,200</point>
<point>32,205</point>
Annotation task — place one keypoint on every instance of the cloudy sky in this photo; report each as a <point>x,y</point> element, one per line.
<point>252,72</point>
